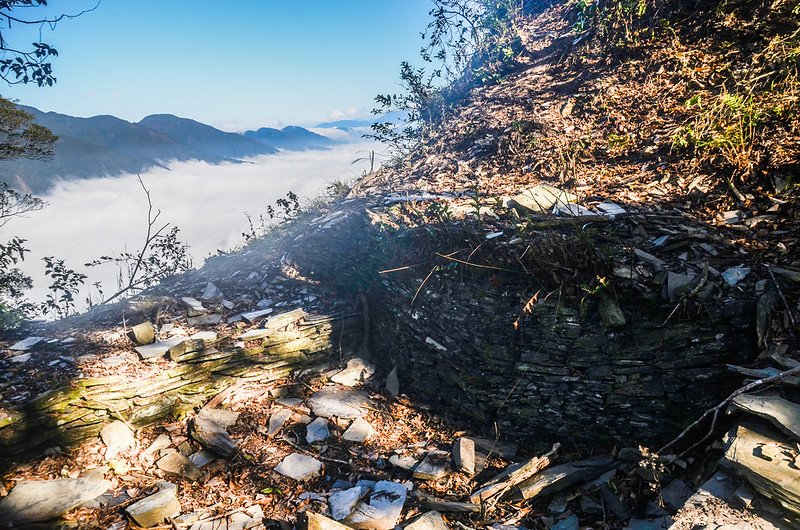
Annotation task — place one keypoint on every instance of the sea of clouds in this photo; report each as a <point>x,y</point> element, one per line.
<point>85,219</point>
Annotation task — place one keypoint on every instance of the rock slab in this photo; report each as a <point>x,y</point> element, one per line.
<point>117,438</point>
<point>177,465</point>
<point>356,372</point>
<point>212,435</point>
<point>277,421</point>
<point>153,510</point>
<point>43,500</point>
<point>315,521</point>
<point>341,403</point>
<point>317,431</point>
<point>343,502</point>
<point>432,520</point>
<point>464,455</point>
<point>358,431</point>
<point>299,467</point>
<point>382,509</point>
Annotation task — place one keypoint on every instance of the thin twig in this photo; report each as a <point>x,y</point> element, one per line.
<point>783,298</point>
<point>311,453</point>
<point>449,257</point>
<point>423,284</point>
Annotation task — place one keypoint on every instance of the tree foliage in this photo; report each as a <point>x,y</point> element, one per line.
<point>20,137</point>
<point>65,285</point>
<point>20,62</point>
<point>466,43</point>
<point>13,284</point>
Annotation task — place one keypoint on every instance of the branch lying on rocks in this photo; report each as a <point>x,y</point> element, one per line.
<point>715,411</point>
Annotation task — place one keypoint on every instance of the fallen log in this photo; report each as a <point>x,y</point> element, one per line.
<point>513,475</point>
<point>560,477</point>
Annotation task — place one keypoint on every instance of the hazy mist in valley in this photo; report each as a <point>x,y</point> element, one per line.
<point>85,219</point>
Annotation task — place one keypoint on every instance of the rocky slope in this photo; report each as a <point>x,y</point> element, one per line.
<point>549,315</point>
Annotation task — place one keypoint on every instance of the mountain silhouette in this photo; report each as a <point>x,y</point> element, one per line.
<point>107,146</point>
<point>291,138</point>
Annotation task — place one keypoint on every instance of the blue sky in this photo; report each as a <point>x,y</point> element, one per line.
<point>235,64</point>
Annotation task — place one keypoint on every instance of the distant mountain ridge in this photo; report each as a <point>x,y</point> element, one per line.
<point>395,116</point>
<point>291,138</point>
<point>108,146</point>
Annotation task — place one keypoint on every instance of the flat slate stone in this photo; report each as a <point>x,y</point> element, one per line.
<point>26,344</point>
<point>675,494</point>
<point>253,316</point>
<point>211,292</point>
<point>42,500</point>
<point>264,303</point>
<point>572,210</point>
<point>205,320</point>
<point>222,417</point>
<point>162,441</point>
<point>277,421</point>
<point>555,479</point>
<point>213,436</point>
<point>290,402</point>
<point>212,524</point>
<point>250,517</point>
<point>194,306</point>
<point>381,511</point>
<point>357,371</point>
<point>358,431</point>
<point>393,383</point>
<point>177,465</point>
<point>316,521</point>
<point>568,523</point>
<point>202,457</point>
<point>782,413</point>
<point>403,462</point>
<point>144,333</point>
<point>464,455</point>
<point>343,502</point>
<point>432,520</point>
<point>117,437</point>
<point>433,466</point>
<point>158,349</point>
<point>254,334</point>
<point>317,431</point>
<point>611,209</point>
<point>299,467</point>
<point>341,403</point>
<point>542,198</point>
<point>153,510</point>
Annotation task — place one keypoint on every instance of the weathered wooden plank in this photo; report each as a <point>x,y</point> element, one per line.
<point>558,478</point>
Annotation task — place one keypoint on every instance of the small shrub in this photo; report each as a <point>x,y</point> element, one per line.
<point>66,283</point>
<point>13,284</point>
<point>725,126</point>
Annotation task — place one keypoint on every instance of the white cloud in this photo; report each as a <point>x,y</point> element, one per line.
<point>348,113</point>
<point>241,125</point>
<point>87,218</point>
